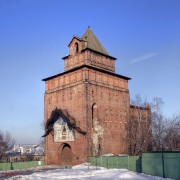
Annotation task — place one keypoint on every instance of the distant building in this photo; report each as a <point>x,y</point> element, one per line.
<point>95,97</point>
<point>24,153</point>
<point>24,149</point>
<point>12,157</point>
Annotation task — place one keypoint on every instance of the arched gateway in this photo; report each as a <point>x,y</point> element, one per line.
<point>66,155</point>
<point>62,126</point>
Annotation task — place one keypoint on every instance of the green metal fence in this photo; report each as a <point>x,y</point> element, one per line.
<point>20,165</point>
<point>164,164</point>
<point>132,163</point>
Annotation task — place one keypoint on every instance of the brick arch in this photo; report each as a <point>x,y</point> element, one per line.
<point>66,155</point>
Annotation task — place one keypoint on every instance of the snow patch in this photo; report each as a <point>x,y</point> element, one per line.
<point>86,172</point>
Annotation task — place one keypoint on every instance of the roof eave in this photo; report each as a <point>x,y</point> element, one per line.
<point>65,57</point>
<point>93,51</point>
<point>74,69</point>
<point>99,53</point>
<point>75,37</point>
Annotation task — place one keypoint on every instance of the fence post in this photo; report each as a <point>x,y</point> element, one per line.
<point>117,162</point>
<point>128,162</point>
<point>11,167</point>
<point>107,162</point>
<point>163,164</point>
<point>140,164</point>
<point>96,162</point>
<point>101,161</point>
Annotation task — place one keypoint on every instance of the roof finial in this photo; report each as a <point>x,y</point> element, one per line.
<point>89,27</point>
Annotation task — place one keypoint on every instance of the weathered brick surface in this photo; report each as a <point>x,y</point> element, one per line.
<point>96,97</point>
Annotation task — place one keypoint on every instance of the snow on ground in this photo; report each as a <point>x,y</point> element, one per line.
<point>85,172</point>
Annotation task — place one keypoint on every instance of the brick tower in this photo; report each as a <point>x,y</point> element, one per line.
<point>95,96</point>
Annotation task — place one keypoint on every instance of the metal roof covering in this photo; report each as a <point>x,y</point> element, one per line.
<point>92,42</point>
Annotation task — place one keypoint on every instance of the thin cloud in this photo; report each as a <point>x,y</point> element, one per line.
<point>144,57</point>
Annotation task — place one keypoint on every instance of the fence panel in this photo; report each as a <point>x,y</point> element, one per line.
<point>132,163</point>
<point>172,165</point>
<point>104,162</point>
<point>135,164</point>
<point>112,162</point>
<point>164,164</point>
<point>20,165</point>
<point>5,166</point>
<point>98,161</point>
<point>152,164</point>
<point>123,162</point>
<point>92,160</point>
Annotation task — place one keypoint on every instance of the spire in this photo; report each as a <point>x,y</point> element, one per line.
<point>92,42</point>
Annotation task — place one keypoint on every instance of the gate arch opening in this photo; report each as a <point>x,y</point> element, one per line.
<point>66,154</point>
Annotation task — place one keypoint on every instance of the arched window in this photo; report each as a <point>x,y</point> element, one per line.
<point>76,46</point>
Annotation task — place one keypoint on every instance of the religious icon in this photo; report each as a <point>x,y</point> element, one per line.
<point>62,131</point>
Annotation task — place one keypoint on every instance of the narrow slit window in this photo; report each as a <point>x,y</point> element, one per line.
<point>76,47</point>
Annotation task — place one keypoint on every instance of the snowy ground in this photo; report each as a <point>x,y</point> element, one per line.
<point>81,172</point>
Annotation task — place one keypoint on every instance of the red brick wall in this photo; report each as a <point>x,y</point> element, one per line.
<point>111,96</point>
<point>65,92</point>
<point>77,91</point>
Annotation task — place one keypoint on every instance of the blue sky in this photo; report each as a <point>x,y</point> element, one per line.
<point>144,36</point>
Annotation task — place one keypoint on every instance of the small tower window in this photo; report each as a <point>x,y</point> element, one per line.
<point>76,47</point>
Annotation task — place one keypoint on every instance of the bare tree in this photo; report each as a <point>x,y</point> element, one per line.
<point>148,126</point>
<point>139,127</point>
<point>172,134</point>
<point>166,131</point>
<point>42,139</point>
<point>42,142</point>
<point>159,124</point>
<point>6,143</point>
